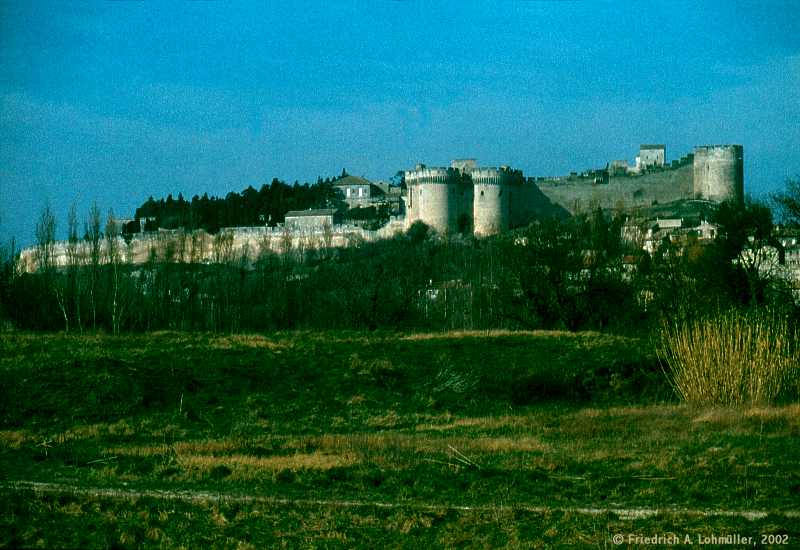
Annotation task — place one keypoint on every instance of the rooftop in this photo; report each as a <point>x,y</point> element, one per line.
<point>352,180</point>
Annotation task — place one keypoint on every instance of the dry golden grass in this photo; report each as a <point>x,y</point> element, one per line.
<point>391,449</point>
<point>206,446</point>
<point>494,334</point>
<point>667,411</point>
<point>733,417</point>
<point>13,439</point>
<point>448,422</point>
<point>788,412</point>
<point>386,421</point>
<point>139,450</point>
<point>248,341</point>
<point>245,467</point>
<point>460,423</point>
<point>721,415</point>
<point>95,431</point>
<point>329,451</point>
<point>200,447</point>
<point>503,444</point>
<point>736,358</point>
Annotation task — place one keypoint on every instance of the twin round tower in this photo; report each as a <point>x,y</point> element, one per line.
<point>466,198</point>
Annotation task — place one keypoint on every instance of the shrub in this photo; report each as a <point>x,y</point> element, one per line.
<point>734,358</point>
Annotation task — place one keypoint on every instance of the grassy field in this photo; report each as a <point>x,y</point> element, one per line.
<point>376,440</point>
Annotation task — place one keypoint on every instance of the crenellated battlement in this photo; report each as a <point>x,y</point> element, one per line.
<point>499,198</point>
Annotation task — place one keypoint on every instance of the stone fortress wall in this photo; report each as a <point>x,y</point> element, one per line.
<point>463,198</point>
<point>712,172</point>
<point>486,201</point>
<point>581,193</point>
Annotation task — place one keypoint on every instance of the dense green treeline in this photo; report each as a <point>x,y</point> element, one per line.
<point>267,205</point>
<point>570,274</point>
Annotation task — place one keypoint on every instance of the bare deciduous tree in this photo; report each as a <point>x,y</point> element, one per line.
<point>46,261</point>
<point>45,240</point>
<point>114,259</point>
<point>788,202</point>
<point>92,238</point>
<point>75,262</point>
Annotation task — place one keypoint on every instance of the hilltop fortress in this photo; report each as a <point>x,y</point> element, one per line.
<point>461,198</point>
<point>485,201</point>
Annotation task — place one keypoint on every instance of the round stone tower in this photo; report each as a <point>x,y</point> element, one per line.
<point>491,212</point>
<point>432,197</point>
<point>719,173</point>
<point>463,198</point>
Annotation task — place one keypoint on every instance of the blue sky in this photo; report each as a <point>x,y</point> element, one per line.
<point>115,101</point>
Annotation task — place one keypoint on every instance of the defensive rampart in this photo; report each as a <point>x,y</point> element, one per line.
<point>713,173</point>
<point>580,194</point>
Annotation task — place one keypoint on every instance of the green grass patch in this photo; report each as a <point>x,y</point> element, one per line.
<point>99,522</point>
<point>501,422</point>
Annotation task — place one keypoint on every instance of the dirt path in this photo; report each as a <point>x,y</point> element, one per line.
<point>207,496</point>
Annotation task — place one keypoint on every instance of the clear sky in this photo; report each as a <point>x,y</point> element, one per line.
<point>115,101</point>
